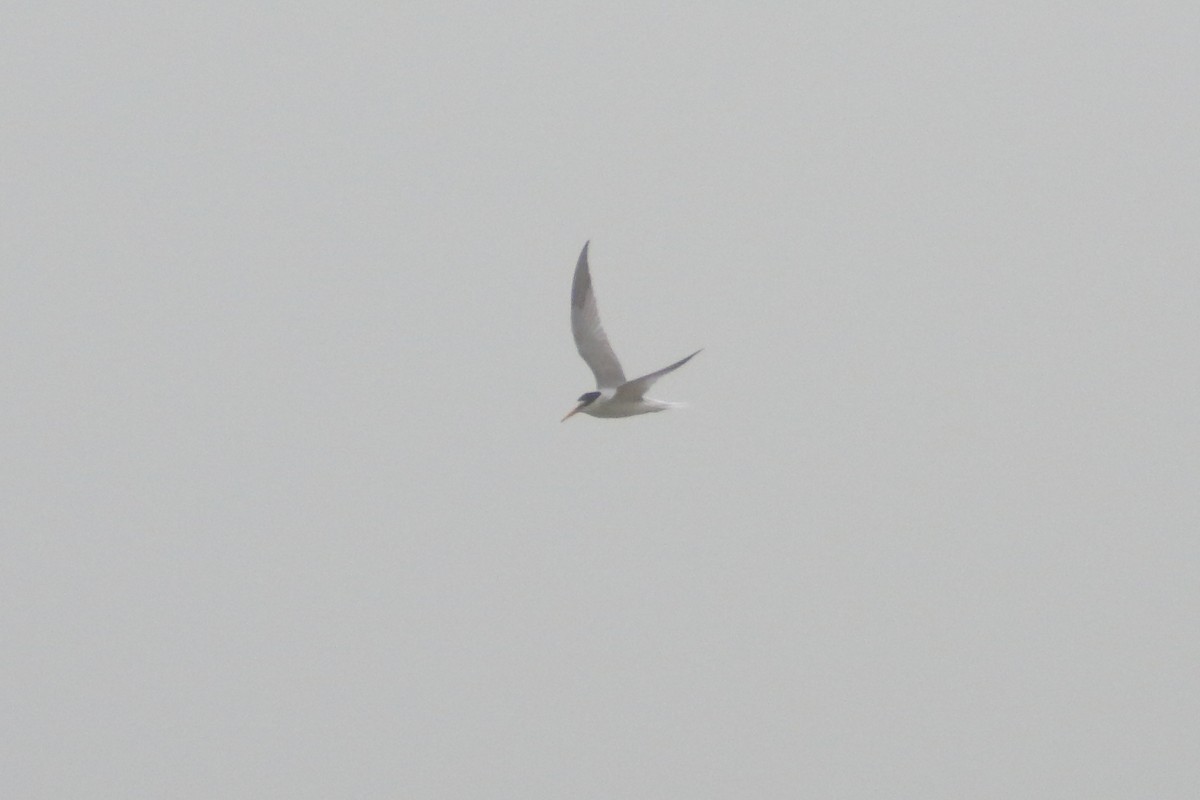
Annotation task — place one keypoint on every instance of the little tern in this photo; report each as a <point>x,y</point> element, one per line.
<point>614,396</point>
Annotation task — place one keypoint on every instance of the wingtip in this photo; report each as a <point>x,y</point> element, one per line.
<point>581,285</point>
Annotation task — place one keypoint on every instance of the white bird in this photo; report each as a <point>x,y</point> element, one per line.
<point>614,396</point>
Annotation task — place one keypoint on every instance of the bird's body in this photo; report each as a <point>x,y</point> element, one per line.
<point>611,404</point>
<point>614,396</point>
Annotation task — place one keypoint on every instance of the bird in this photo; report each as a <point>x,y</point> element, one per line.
<point>614,396</point>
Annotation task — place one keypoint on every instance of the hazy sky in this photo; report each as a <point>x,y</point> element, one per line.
<point>288,508</point>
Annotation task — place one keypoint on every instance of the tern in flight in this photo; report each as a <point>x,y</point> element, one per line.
<point>614,396</point>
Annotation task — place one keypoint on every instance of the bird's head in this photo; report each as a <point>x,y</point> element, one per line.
<point>585,400</point>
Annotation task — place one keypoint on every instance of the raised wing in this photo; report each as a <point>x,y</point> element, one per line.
<point>637,387</point>
<point>589,334</point>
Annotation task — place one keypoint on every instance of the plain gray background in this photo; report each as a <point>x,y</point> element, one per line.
<point>288,509</point>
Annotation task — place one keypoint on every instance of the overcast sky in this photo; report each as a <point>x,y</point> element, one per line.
<point>288,508</point>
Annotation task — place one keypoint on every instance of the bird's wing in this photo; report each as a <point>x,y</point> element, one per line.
<point>589,334</point>
<point>637,387</point>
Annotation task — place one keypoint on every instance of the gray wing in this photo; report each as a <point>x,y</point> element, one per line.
<point>589,334</point>
<point>637,387</point>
